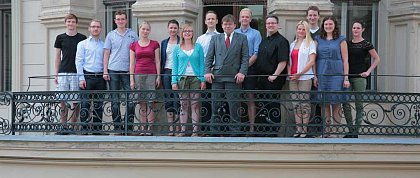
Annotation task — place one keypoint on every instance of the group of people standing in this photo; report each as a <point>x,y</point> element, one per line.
<point>238,58</point>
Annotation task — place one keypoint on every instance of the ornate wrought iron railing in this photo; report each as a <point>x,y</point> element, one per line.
<point>380,113</point>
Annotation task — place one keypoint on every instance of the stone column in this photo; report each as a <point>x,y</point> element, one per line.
<point>159,12</point>
<point>290,12</point>
<point>400,48</point>
<point>52,17</point>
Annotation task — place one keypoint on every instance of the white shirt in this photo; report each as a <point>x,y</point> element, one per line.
<point>204,40</point>
<point>303,58</point>
<point>169,56</point>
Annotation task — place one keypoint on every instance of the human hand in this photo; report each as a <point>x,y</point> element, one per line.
<point>239,77</point>
<point>271,78</point>
<point>82,84</point>
<point>203,85</point>
<point>365,74</point>
<point>346,84</point>
<point>106,76</point>
<point>132,85</point>
<point>209,77</point>
<point>174,87</point>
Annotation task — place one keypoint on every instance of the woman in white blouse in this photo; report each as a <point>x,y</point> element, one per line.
<point>300,70</point>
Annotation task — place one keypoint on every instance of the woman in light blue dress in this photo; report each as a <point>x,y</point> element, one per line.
<point>332,68</point>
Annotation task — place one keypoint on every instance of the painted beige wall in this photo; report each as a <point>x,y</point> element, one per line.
<point>127,157</point>
<point>37,22</point>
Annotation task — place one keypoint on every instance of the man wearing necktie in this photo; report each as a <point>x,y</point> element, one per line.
<point>229,52</point>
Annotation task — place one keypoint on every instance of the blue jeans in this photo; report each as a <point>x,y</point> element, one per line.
<point>120,80</point>
<point>172,104</point>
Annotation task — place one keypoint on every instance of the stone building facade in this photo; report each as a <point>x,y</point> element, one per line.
<point>33,25</point>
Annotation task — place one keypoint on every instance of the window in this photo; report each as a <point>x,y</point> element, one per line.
<point>223,7</point>
<point>347,11</point>
<point>112,6</point>
<point>5,46</point>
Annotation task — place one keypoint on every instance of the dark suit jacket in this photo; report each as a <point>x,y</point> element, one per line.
<point>230,61</point>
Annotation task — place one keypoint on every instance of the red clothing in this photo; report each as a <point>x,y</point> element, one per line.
<point>145,57</point>
<point>294,56</point>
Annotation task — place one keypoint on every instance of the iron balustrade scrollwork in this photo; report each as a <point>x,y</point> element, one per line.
<point>382,113</point>
<point>377,113</point>
<point>5,121</point>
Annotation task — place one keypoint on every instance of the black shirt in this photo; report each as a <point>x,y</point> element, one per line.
<point>316,33</point>
<point>272,50</point>
<point>68,46</point>
<point>359,56</point>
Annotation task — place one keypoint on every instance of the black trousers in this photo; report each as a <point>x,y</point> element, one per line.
<point>93,82</point>
<point>271,114</point>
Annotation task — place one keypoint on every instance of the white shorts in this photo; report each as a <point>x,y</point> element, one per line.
<point>68,82</point>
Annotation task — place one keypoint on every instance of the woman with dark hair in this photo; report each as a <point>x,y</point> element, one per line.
<point>359,50</point>
<point>166,53</point>
<point>332,68</point>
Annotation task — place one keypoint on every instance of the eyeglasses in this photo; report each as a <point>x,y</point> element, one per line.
<point>271,23</point>
<point>187,31</point>
<point>120,19</point>
<point>95,26</point>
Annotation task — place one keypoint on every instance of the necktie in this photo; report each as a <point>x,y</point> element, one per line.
<point>227,41</point>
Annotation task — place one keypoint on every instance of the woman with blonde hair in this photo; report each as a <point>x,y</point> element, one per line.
<point>187,74</point>
<point>300,70</point>
<point>145,74</point>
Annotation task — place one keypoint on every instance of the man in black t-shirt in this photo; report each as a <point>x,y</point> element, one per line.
<point>312,15</point>
<point>66,75</point>
<point>273,55</point>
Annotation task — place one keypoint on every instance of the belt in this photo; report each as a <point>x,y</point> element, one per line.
<point>95,74</point>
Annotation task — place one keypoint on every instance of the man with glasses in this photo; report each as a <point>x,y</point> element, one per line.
<point>89,65</point>
<point>117,65</point>
<point>272,59</point>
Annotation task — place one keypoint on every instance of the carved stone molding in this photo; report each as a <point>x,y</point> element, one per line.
<point>161,10</point>
<point>53,11</point>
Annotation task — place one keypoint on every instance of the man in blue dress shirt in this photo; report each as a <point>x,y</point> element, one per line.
<point>117,65</point>
<point>254,39</point>
<point>90,67</point>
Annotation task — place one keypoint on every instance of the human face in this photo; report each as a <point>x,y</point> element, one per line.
<point>329,26</point>
<point>173,29</point>
<point>120,20</point>
<point>144,30</point>
<point>95,29</point>
<point>301,32</point>
<point>271,25</point>
<point>313,17</point>
<point>228,27</point>
<point>357,30</point>
<point>187,33</point>
<point>245,18</point>
<point>211,20</point>
<point>71,24</point>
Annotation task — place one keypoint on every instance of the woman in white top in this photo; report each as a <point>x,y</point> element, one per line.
<point>300,70</point>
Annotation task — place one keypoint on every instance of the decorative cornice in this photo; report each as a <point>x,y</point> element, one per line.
<point>292,7</point>
<point>159,9</point>
<point>52,13</point>
<point>400,8</point>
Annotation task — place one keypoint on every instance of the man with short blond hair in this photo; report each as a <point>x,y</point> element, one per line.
<point>254,40</point>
